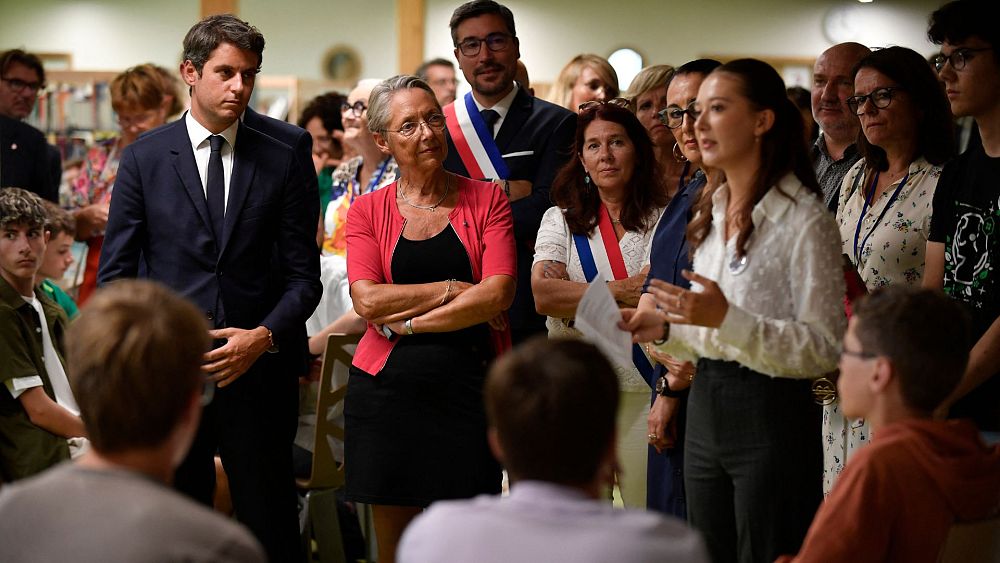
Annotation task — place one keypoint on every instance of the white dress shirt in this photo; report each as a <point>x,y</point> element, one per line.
<point>786,304</point>
<point>545,522</point>
<point>501,107</point>
<point>202,151</point>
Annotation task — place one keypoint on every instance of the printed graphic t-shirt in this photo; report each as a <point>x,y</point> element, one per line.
<point>966,220</point>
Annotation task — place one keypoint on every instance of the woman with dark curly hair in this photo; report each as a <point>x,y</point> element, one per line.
<point>608,202</point>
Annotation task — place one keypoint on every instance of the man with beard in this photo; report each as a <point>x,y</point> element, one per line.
<point>500,132</point>
<point>834,152</point>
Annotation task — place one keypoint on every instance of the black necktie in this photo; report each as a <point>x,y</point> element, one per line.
<point>215,187</point>
<point>490,117</point>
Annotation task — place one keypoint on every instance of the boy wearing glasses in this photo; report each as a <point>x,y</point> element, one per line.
<point>963,249</point>
<point>500,132</point>
<point>904,351</point>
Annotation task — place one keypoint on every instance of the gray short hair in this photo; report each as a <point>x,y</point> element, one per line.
<point>379,102</point>
<point>206,35</point>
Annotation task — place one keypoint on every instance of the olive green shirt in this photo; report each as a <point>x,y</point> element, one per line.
<point>26,449</point>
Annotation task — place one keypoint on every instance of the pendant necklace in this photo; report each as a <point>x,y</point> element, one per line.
<point>447,190</point>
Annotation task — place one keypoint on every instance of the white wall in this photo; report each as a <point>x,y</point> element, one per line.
<point>115,34</point>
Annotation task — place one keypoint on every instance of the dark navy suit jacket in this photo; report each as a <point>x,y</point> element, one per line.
<point>535,139</point>
<point>25,160</point>
<point>159,215</point>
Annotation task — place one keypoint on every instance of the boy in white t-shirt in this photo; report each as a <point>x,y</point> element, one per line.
<point>38,413</point>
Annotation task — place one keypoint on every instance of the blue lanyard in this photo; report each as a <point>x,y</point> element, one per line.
<point>376,178</point>
<point>864,209</point>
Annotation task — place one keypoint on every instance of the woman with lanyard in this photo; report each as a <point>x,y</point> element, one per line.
<point>884,211</point>
<point>368,171</point>
<point>668,257</point>
<point>608,201</point>
<point>764,316</point>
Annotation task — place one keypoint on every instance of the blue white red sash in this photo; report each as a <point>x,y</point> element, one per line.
<point>473,140</point>
<point>603,255</point>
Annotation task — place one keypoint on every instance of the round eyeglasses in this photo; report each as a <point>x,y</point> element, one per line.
<point>357,108</point>
<point>495,42</point>
<point>957,58</point>
<point>434,122</point>
<point>879,97</point>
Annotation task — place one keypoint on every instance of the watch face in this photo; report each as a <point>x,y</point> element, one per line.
<point>660,383</point>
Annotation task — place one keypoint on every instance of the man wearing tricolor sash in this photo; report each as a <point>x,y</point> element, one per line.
<point>498,131</point>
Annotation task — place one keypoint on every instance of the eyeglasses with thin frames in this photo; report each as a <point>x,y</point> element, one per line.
<point>357,108</point>
<point>434,122</point>
<point>594,104</point>
<point>19,86</point>
<point>673,116</point>
<point>495,42</point>
<point>879,97</point>
<point>957,58</point>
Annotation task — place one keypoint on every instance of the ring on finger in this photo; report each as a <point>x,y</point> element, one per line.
<point>651,437</point>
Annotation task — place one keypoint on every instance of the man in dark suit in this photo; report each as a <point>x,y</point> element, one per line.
<point>534,137</point>
<point>21,77</point>
<point>219,212</point>
<point>24,158</point>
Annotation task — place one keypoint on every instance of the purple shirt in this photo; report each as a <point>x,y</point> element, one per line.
<point>542,521</point>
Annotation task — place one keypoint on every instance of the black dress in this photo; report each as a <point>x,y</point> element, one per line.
<point>416,431</point>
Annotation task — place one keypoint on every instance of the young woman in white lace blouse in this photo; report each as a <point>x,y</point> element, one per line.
<point>885,201</point>
<point>608,201</point>
<point>764,317</point>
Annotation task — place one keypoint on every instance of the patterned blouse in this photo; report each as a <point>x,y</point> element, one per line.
<point>890,250</point>
<point>347,185</point>
<point>890,241</point>
<point>97,178</point>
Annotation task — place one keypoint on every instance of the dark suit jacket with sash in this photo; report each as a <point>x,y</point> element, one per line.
<point>535,140</point>
<point>159,213</point>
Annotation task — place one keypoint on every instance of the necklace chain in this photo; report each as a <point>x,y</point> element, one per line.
<point>447,190</point>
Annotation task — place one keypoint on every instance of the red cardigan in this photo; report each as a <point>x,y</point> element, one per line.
<point>483,222</point>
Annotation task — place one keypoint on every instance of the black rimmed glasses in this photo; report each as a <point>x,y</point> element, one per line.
<point>673,116</point>
<point>19,86</point>
<point>594,104</point>
<point>879,97</point>
<point>357,108</point>
<point>434,122</point>
<point>957,58</point>
<point>495,42</point>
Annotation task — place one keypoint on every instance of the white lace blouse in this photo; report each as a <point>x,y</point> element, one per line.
<point>786,311</point>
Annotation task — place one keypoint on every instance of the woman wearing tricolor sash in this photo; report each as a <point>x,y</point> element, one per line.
<point>608,202</point>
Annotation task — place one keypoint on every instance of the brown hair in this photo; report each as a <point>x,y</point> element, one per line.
<point>141,87</point>
<point>782,149</point>
<point>936,126</point>
<point>553,405</point>
<point>134,361</point>
<point>20,56</point>
<point>58,220</point>
<point>645,191</point>
<point>924,333</point>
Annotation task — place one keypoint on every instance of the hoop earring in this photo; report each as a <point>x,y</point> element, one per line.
<point>679,154</point>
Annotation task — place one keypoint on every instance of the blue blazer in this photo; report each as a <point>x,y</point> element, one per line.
<point>159,215</point>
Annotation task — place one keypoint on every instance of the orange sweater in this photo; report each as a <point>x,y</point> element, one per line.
<point>897,498</point>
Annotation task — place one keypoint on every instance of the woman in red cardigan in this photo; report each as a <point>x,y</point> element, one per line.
<point>431,263</point>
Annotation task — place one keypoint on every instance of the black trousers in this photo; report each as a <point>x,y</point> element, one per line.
<point>251,425</point>
<point>753,462</point>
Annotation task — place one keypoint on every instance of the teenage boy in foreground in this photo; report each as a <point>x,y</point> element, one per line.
<point>904,351</point>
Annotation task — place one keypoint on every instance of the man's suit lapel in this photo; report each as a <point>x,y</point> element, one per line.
<point>520,111</point>
<point>244,165</point>
<point>182,156</point>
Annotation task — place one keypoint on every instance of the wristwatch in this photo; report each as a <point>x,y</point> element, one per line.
<point>663,389</point>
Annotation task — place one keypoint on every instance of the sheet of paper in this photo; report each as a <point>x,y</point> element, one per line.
<point>597,318</point>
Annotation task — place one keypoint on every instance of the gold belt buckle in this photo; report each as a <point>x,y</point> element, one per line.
<point>824,391</point>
